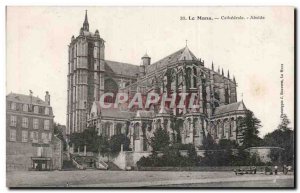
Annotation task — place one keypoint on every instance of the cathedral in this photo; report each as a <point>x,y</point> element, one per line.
<point>214,112</point>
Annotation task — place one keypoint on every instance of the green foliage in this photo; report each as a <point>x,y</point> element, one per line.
<point>171,157</point>
<point>250,125</point>
<point>59,134</point>
<point>160,140</point>
<point>208,142</point>
<point>116,141</point>
<point>219,154</point>
<point>89,138</point>
<point>99,144</point>
<point>282,137</point>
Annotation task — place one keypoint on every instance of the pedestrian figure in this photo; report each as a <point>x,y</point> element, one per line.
<point>285,170</point>
<point>254,169</point>
<point>275,170</point>
<point>289,168</point>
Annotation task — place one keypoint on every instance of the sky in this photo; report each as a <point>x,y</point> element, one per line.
<point>37,41</point>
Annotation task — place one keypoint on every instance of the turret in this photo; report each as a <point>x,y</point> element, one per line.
<point>146,60</point>
<point>97,34</point>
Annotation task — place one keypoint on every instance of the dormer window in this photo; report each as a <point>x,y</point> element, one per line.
<point>13,106</point>
<point>46,111</point>
<point>25,108</point>
<point>36,109</point>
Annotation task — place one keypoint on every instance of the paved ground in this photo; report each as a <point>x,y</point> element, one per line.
<point>99,178</point>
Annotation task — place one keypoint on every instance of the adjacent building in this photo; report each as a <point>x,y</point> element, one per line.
<point>30,143</point>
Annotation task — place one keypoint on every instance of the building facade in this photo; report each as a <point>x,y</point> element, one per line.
<point>217,114</point>
<point>29,133</point>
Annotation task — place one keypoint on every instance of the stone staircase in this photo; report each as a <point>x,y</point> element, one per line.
<point>78,162</point>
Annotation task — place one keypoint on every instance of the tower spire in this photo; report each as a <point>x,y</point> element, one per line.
<point>86,22</point>
<point>212,66</point>
<point>228,75</point>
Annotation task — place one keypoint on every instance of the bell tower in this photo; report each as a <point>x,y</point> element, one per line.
<point>85,76</point>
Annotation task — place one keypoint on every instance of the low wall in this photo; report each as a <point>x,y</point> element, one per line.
<point>127,159</point>
<point>204,168</point>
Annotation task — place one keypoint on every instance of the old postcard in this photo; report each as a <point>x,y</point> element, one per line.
<point>150,97</point>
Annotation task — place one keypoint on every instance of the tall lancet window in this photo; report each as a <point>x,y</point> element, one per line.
<point>194,77</point>
<point>188,78</point>
<point>226,96</point>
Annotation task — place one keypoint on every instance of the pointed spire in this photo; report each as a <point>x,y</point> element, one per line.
<point>222,72</point>
<point>234,79</point>
<point>219,69</point>
<point>228,75</point>
<point>212,66</point>
<point>86,22</point>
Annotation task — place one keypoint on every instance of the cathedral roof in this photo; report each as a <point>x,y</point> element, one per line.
<point>117,113</point>
<point>111,112</point>
<point>238,106</point>
<point>145,114</point>
<point>179,55</point>
<point>25,99</point>
<point>187,55</point>
<point>121,68</point>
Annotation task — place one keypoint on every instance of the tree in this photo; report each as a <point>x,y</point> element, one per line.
<point>89,138</point>
<point>192,155</point>
<point>160,139</point>
<point>282,137</point>
<point>116,141</point>
<point>57,130</point>
<point>250,125</point>
<point>208,142</point>
<point>283,126</point>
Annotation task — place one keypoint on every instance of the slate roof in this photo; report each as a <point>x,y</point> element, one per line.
<point>146,56</point>
<point>25,99</point>
<point>117,113</point>
<point>121,68</point>
<point>238,106</point>
<point>113,112</point>
<point>145,114</point>
<point>181,54</point>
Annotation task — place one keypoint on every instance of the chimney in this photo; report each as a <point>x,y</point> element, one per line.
<point>47,98</point>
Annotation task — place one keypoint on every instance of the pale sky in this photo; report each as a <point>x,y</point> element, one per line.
<point>253,50</point>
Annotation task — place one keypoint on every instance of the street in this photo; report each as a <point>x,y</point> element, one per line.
<point>100,178</point>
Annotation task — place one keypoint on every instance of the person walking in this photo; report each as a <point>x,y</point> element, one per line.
<point>275,170</point>
<point>254,169</point>
<point>284,169</point>
<point>289,168</point>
